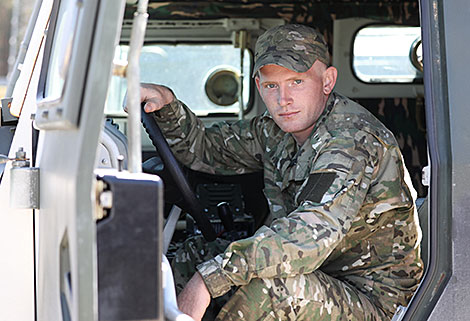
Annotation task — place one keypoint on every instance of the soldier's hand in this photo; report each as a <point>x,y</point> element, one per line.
<point>195,298</point>
<point>154,97</point>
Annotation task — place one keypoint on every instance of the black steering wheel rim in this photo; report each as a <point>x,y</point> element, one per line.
<point>169,160</point>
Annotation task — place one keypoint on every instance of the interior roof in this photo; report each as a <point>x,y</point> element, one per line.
<point>320,13</point>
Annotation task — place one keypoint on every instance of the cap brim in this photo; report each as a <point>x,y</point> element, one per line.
<point>287,62</point>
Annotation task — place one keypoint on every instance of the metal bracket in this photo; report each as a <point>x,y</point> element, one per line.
<point>24,183</point>
<point>103,200</point>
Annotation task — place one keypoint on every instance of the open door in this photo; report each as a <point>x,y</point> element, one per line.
<point>71,96</point>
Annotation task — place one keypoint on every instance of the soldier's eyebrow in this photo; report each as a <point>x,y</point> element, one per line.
<point>299,76</point>
<point>296,77</point>
<point>268,82</point>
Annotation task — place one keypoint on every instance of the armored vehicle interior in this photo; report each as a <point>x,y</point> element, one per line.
<point>204,52</point>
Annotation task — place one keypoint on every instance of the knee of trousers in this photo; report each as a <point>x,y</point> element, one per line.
<point>303,296</point>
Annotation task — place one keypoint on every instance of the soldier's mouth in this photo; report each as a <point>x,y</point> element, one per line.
<point>288,114</point>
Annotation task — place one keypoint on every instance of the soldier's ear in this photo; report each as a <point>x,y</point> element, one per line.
<point>257,83</point>
<point>329,80</point>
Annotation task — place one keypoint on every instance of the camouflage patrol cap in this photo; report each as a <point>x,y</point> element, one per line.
<point>293,46</point>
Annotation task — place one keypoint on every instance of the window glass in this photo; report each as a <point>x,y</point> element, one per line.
<point>384,54</point>
<point>205,77</point>
<point>61,48</point>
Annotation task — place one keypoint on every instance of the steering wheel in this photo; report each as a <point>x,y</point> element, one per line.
<point>160,143</point>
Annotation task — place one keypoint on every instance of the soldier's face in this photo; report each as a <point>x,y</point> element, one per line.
<point>296,100</point>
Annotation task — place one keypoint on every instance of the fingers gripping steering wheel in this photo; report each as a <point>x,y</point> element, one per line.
<point>160,143</point>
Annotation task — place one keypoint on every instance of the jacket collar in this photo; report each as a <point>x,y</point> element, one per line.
<point>294,163</point>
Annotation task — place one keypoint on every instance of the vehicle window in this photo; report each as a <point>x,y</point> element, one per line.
<point>61,48</point>
<point>205,77</point>
<point>388,54</point>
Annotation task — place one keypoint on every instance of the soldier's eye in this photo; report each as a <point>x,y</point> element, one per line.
<point>298,81</point>
<point>270,86</point>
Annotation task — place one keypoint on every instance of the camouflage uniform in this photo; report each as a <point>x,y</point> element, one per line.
<point>342,239</point>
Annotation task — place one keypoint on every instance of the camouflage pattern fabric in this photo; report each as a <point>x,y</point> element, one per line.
<point>405,118</point>
<point>341,203</point>
<point>293,46</point>
<point>296,298</point>
<point>315,296</point>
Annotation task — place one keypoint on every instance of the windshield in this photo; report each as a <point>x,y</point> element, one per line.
<point>205,77</point>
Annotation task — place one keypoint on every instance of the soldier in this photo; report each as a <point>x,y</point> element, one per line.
<point>342,239</point>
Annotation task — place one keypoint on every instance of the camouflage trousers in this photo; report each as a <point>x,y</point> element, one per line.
<point>314,296</point>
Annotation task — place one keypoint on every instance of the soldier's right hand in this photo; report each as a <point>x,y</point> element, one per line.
<point>154,96</point>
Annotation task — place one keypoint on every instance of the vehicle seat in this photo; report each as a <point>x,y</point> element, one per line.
<point>112,146</point>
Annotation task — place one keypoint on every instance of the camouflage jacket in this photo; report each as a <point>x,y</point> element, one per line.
<point>342,202</point>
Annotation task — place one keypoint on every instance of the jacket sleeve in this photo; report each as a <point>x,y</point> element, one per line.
<point>331,198</point>
<point>223,148</point>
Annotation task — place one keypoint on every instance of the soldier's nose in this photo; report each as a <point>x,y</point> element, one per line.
<point>285,99</point>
